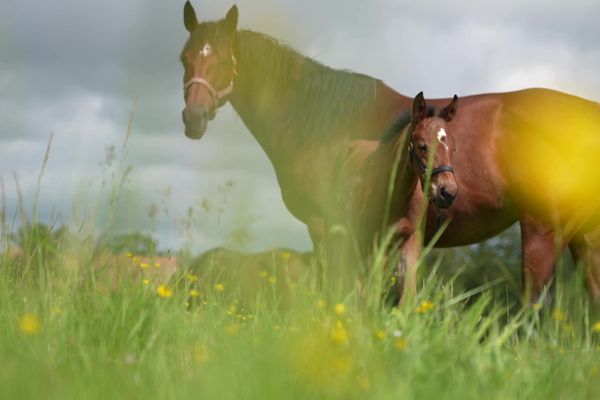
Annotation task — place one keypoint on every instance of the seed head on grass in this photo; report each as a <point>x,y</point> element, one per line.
<point>30,324</point>
<point>164,291</point>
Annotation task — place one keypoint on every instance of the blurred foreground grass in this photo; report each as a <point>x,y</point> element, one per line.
<point>77,325</point>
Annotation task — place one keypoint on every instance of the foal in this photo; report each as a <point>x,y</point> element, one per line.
<point>377,185</point>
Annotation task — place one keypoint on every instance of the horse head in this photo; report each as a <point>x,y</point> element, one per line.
<point>208,59</point>
<point>432,147</point>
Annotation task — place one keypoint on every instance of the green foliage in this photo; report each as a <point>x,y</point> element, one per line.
<point>137,338</point>
<point>136,243</point>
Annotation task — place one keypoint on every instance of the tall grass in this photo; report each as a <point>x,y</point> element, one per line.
<point>76,324</point>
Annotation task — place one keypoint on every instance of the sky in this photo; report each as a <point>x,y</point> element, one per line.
<point>79,70</point>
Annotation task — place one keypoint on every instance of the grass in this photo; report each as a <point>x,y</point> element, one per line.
<point>74,333</point>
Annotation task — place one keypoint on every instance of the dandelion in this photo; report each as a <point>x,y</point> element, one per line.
<point>400,343</point>
<point>30,324</point>
<point>144,265</point>
<point>219,287</point>
<point>338,334</point>
<point>263,274</point>
<point>339,309</point>
<point>135,260</point>
<point>146,281</point>
<point>191,278</point>
<point>379,334</point>
<point>596,327</point>
<point>272,280</point>
<point>164,291</point>
<point>425,307</point>
<point>194,293</point>
<point>128,255</point>
<point>157,265</point>
<point>558,315</point>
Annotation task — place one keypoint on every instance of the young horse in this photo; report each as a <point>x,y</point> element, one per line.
<point>303,114</point>
<point>376,182</point>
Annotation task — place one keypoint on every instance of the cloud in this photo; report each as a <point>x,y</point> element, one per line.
<point>76,68</point>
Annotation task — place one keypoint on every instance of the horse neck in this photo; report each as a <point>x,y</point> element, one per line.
<point>275,85</point>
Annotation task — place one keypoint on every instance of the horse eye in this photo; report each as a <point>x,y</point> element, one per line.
<point>423,148</point>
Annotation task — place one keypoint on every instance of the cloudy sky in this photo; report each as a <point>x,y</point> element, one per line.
<point>77,69</point>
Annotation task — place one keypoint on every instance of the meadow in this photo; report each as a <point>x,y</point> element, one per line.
<point>75,329</point>
<point>85,318</point>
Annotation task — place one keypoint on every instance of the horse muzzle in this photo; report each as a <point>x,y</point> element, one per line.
<point>445,197</point>
<point>195,119</point>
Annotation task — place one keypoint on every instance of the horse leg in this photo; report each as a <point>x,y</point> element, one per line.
<point>590,254</point>
<point>316,231</point>
<point>538,242</point>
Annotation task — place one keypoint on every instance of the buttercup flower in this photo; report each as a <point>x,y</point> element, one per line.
<point>30,324</point>
<point>164,291</point>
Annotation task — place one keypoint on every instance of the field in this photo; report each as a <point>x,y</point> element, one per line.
<point>72,328</point>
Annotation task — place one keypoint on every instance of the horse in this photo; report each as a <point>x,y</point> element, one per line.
<point>370,174</point>
<point>303,114</point>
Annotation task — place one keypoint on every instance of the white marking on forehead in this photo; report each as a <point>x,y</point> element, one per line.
<point>206,50</point>
<point>441,137</point>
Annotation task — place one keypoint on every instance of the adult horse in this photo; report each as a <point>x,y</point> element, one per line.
<point>303,114</point>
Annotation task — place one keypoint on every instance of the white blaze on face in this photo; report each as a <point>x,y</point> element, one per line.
<point>441,137</point>
<point>206,50</point>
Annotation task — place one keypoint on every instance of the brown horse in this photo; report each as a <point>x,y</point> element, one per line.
<point>303,114</point>
<point>376,182</point>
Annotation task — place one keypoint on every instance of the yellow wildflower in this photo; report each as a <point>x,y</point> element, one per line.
<point>146,281</point>
<point>144,265</point>
<point>128,255</point>
<point>558,315</point>
<point>232,309</point>
<point>425,306</point>
<point>400,343</point>
<point>286,255</point>
<point>200,354</point>
<point>135,260</point>
<point>338,334</point>
<point>232,329</point>
<point>340,309</point>
<point>30,324</point>
<point>191,278</point>
<point>272,280</point>
<point>379,334</point>
<point>157,265</point>
<point>194,293</point>
<point>536,306</point>
<point>596,327</point>
<point>263,274</point>
<point>219,287</point>
<point>164,291</point>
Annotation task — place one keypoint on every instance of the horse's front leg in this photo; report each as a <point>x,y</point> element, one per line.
<point>540,250</point>
<point>408,228</point>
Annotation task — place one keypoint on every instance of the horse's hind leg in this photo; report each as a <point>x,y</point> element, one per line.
<point>539,246</point>
<point>588,252</point>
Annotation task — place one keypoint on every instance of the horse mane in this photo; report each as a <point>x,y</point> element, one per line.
<point>401,122</point>
<point>317,98</point>
<point>396,127</point>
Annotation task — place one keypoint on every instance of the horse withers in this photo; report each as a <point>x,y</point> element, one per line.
<point>379,185</point>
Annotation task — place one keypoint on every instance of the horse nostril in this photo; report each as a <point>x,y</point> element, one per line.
<point>444,194</point>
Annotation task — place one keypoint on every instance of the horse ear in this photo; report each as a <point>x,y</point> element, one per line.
<point>419,108</point>
<point>449,112</point>
<point>231,20</point>
<point>189,17</point>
